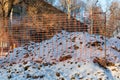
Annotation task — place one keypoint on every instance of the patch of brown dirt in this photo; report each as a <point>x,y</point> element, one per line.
<point>102,62</point>
<point>66,57</point>
<point>115,48</point>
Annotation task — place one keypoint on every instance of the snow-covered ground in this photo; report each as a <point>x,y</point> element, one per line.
<point>42,61</point>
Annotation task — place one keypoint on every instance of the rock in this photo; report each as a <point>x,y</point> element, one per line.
<point>35,77</point>
<point>62,78</point>
<point>60,43</point>
<point>26,55</point>
<point>76,47</point>
<point>100,79</point>
<point>9,76</point>
<point>57,74</point>
<point>42,76</point>
<point>38,60</point>
<point>118,37</point>
<point>73,39</point>
<point>24,62</point>
<point>26,68</point>
<point>72,78</point>
<point>94,44</point>
<point>46,64</point>
<point>28,76</point>
<point>79,66</point>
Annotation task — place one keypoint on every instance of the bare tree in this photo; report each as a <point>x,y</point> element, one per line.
<point>94,9</point>
<point>74,5</point>
<point>6,6</point>
<point>114,17</point>
<point>3,6</point>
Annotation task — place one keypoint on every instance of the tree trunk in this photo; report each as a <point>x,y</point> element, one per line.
<point>10,5</point>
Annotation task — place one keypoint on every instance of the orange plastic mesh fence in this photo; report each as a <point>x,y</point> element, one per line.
<point>20,30</point>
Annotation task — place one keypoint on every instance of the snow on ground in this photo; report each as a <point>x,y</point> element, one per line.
<point>41,61</point>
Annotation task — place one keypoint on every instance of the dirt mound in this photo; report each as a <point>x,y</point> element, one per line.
<point>44,24</point>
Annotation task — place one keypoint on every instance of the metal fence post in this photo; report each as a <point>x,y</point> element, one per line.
<point>105,36</point>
